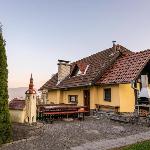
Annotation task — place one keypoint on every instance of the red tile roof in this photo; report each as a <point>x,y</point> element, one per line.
<point>16,104</point>
<point>98,64</point>
<point>126,68</point>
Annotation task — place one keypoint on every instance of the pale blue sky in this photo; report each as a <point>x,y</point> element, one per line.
<point>39,32</point>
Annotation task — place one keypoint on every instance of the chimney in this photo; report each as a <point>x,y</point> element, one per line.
<point>114,45</point>
<point>145,90</point>
<point>63,70</point>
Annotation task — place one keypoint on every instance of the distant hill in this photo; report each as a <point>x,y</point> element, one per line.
<point>17,92</point>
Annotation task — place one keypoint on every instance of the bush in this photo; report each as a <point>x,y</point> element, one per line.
<point>5,124</point>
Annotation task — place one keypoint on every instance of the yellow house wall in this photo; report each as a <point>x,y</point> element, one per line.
<point>127,98</point>
<point>53,97</point>
<point>78,92</point>
<point>115,101</point>
<point>93,97</point>
<point>58,96</point>
<point>121,95</point>
<point>96,96</point>
<point>17,116</point>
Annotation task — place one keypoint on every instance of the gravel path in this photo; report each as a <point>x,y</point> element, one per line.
<point>114,143</point>
<point>89,134</point>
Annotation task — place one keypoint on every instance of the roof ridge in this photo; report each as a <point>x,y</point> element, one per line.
<point>142,51</point>
<point>102,51</point>
<point>123,47</point>
<point>90,55</point>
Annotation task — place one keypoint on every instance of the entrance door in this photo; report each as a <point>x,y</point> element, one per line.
<point>86,94</point>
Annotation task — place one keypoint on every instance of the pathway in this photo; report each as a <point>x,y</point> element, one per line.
<point>114,143</point>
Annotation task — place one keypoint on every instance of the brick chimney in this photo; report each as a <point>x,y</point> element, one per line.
<point>63,70</point>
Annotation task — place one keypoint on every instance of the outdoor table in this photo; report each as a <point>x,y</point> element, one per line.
<point>50,111</point>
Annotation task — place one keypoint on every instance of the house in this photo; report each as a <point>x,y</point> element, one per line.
<point>24,111</point>
<point>111,77</point>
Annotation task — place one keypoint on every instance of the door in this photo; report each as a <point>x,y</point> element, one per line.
<point>86,94</point>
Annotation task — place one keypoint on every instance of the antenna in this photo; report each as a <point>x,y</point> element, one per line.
<point>113,42</point>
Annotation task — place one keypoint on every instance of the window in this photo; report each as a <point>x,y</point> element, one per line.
<point>107,94</point>
<point>76,71</point>
<point>73,98</point>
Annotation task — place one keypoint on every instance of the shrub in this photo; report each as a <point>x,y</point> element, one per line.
<point>5,124</point>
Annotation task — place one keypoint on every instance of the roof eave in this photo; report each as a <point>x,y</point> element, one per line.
<point>112,83</point>
<point>67,87</point>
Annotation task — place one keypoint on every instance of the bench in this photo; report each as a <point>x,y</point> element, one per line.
<point>105,109</point>
<point>50,115</point>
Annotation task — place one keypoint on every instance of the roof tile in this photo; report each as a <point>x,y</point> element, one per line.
<point>16,104</point>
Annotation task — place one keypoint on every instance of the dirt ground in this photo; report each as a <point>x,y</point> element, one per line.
<point>22,131</point>
<point>62,135</point>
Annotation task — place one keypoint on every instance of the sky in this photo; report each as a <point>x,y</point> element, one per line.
<point>39,32</point>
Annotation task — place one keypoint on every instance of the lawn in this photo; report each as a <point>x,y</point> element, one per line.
<point>138,146</point>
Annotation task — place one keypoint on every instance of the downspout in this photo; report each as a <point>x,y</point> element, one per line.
<point>136,91</point>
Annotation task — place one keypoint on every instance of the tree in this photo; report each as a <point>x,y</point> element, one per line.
<point>5,124</point>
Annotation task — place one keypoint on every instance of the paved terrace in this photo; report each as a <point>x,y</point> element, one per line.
<point>91,134</point>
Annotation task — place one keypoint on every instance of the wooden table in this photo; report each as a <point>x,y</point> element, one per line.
<point>50,111</point>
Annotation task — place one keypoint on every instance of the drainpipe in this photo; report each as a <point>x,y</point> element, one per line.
<point>135,90</point>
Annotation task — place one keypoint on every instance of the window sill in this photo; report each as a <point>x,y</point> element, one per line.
<point>73,102</point>
<point>107,100</point>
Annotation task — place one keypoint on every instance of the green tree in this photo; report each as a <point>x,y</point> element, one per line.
<point>5,124</point>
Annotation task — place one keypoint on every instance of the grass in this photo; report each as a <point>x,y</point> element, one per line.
<point>145,145</point>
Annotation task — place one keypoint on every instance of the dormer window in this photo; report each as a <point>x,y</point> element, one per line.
<point>77,71</point>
